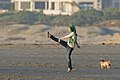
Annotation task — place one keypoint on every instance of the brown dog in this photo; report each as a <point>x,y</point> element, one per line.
<point>105,64</point>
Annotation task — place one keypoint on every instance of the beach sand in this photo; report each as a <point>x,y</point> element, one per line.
<point>27,54</point>
<point>48,62</point>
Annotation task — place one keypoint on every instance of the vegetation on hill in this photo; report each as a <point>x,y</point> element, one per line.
<point>81,18</point>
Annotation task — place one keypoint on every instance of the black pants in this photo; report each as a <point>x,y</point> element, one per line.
<point>69,49</point>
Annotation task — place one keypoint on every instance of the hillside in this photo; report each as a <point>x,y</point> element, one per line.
<point>36,34</point>
<point>109,23</point>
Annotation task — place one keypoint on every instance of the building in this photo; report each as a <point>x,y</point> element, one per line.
<point>54,7</point>
<point>116,3</point>
<point>63,7</point>
<point>110,3</point>
<point>90,4</point>
<point>5,6</point>
<point>99,4</point>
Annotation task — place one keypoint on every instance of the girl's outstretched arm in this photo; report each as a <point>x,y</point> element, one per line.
<point>67,36</point>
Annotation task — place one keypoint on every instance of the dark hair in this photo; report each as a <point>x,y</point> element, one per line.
<point>72,28</point>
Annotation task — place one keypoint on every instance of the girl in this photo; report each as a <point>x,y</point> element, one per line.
<point>69,45</point>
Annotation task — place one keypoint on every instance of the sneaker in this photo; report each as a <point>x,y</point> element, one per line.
<point>48,34</point>
<point>69,70</point>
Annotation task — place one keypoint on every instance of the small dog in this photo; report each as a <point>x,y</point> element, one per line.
<point>105,64</point>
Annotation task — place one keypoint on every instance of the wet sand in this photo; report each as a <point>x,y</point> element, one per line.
<point>48,62</point>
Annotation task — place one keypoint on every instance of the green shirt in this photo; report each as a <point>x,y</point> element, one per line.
<point>72,39</point>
